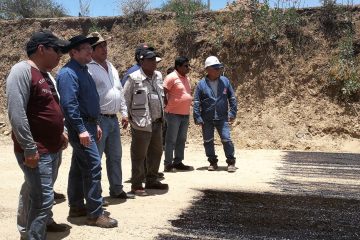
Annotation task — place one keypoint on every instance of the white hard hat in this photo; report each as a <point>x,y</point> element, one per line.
<point>213,62</point>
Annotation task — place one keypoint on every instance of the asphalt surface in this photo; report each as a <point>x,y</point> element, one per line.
<point>317,197</point>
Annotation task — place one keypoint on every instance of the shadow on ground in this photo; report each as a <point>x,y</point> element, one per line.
<point>241,215</point>
<point>318,173</point>
<point>320,200</point>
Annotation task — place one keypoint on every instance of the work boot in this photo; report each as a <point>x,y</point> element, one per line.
<point>102,221</point>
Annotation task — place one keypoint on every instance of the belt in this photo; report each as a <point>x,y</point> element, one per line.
<point>90,119</point>
<point>109,115</point>
<point>159,120</point>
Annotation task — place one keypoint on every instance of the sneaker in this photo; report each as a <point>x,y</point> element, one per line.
<point>102,221</point>
<point>157,185</point>
<point>182,167</point>
<point>168,168</point>
<point>139,192</point>
<point>231,168</point>
<point>212,167</point>
<point>123,195</point>
<point>77,212</point>
<point>54,227</point>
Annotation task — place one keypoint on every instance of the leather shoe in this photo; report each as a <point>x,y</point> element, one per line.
<point>102,221</point>
<point>123,195</point>
<point>54,227</point>
<point>77,212</point>
<point>156,185</point>
<point>58,196</point>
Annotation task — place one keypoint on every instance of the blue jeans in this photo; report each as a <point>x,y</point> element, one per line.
<point>85,174</point>
<point>176,133</point>
<point>110,143</point>
<point>223,129</point>
<point>36,196</point>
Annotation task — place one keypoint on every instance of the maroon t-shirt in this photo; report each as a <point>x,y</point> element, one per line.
<point>44,114</point>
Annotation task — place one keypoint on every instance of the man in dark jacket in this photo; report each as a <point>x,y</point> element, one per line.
<point>80,103</point>
<point>214,107</point>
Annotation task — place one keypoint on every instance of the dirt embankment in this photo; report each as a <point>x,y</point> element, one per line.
<point>282,90</point>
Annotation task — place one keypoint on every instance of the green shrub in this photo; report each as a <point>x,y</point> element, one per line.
<point>344,72</point>
<point>10,9</point>
<point>185,11</point>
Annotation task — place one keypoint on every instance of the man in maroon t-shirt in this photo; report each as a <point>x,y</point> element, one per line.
<point>37,131</point>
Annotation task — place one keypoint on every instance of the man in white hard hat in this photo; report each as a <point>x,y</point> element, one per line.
<point>215,107</point>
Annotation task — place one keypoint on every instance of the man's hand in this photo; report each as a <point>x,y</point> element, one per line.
<point>124,122</point>
<point>66,141</point>
<point>32,160</point>
<point>231,120</point>
<point>99,133</point>
<point>85,139</point>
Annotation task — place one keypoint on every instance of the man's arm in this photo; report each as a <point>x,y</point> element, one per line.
<point>128,91</point>
<point>232,103</point>
<point>68,90</point>
<point>196,108</point>
<point>18,92</point>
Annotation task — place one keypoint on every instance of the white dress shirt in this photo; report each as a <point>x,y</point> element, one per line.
<point>109,88</point>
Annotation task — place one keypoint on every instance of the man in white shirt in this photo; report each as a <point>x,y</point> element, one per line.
<point>112,101</point>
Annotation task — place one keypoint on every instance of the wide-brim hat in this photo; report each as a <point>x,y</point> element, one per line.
<point>80,39</point>
<point>100,40</point>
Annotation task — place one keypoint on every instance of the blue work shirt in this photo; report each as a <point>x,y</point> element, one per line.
<point>128,72</point>
<point>79,98</point>
<point>208,107</point>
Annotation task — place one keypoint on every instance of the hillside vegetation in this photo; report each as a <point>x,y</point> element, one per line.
<point>294,72</point>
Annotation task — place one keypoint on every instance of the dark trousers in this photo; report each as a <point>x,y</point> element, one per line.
<point>85,174</point>
<point>145,146</point>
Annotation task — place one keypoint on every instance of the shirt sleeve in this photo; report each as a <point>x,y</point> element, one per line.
<point>18,85</point>
<point>68,88</point>
<point>232,102</point>
<point>168,82</point>
<point>123,107</point>
<point>196,107</point>
<point>128,89</point>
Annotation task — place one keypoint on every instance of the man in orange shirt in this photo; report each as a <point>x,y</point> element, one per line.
<point>178,100</point>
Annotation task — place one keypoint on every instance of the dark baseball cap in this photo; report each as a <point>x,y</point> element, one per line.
<point>147,54</point>
<point>141,47</point>
<point>46,38</point>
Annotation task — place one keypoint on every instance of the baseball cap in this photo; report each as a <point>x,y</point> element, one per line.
<point>147,54</point>
<point>44,37</point>
<point>214,62</point>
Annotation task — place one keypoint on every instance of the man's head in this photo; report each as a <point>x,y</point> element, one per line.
<point>80,48</point>
<point>213,67</point>
<point>45,49</point>
<point>141,47</point>
<point>147,60</point>
<point>182,65</point>
<point>99,53</point>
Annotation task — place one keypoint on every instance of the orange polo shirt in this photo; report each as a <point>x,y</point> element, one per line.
<point>178,94</point>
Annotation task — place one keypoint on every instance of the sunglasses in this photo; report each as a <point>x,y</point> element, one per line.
<point>56,49</point>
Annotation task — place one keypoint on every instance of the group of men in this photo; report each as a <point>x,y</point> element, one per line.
<point>81,107</point>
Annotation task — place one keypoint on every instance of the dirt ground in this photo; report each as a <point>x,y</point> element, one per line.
<point>259,171</point>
